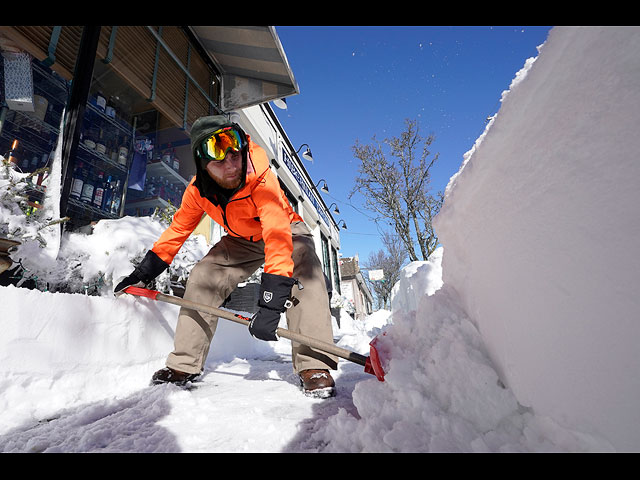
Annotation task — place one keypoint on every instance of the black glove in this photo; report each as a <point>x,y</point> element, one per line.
<point>150,267</point>
<point>275,291</point>
<point>131,280</point>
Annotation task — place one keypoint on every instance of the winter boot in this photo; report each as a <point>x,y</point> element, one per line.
<point>169,375</point>
<point>317,383</point>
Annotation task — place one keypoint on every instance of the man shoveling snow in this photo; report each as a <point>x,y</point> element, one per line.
<point>236,188</point>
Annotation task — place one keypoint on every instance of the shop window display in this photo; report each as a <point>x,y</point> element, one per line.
<point>128,158</point>
<point>30,129</point>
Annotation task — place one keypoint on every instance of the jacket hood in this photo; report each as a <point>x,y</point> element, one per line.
<point>202,128</point>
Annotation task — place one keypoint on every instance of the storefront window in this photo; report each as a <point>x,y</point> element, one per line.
<point>103,156</point>
<point>129,157</point>
<point>325,256</point>
<point>147,87</point>
<point>336,273</point>
<point>31,106</point>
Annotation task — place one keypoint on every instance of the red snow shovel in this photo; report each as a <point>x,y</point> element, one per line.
<point>371,363</point>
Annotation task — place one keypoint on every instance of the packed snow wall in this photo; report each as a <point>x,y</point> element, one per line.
<point>541,233</point>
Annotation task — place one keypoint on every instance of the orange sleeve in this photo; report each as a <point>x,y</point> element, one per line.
<point>276,225</point>
<point>184,222</point>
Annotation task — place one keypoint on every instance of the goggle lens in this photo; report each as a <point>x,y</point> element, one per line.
<point>218,144</point>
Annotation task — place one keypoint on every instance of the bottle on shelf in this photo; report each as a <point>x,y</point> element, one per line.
<point>101,146</point>
<point>123,151</point>
<point>108,194</point>
<point>166,156</point>
<point>117,198</point>
<point>46,158</point>
<point>110,109</point>
<point>77,182</point>
<point>98,191</point>
<point>150,187</point>
<point>101,101</point>
<point>112,147</point>
<point>88,138</point>
<point>88,188</point>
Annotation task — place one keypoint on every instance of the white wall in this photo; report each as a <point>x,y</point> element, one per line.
<point>541,233</point>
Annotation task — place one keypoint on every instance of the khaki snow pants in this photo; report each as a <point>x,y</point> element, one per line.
<point>230,262</point>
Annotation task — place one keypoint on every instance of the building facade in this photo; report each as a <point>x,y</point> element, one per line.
<point>355,289</point>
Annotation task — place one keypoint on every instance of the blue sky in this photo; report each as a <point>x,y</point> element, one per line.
<point>357,82</point>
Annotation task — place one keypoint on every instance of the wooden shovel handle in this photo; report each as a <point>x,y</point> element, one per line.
<point>234,317</point>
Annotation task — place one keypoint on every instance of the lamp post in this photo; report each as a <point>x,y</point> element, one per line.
<point>324,188</point>
<point>281,103</point>
<point>307,154</point>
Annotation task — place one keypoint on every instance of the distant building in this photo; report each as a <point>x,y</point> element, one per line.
<point>354,287</point>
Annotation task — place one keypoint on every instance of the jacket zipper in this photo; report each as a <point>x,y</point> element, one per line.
<point>224,215</point>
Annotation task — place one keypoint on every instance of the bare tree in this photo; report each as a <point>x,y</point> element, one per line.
<point>390,262</point>
<point>397,187</point>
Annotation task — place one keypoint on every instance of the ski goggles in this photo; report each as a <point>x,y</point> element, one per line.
<point>219,143</point>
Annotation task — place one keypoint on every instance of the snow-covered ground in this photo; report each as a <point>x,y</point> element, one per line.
<point>75,368</point>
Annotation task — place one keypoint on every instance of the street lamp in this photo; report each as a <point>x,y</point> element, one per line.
<point>344,224</point>
<point>324,188</point>
<point>307,154</point>
<point>281,103</point>
<point>335,210</point>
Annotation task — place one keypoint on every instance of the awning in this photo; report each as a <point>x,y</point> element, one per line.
<point>252,62</point>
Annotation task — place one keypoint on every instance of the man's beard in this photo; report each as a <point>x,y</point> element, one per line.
<point>226,182</point>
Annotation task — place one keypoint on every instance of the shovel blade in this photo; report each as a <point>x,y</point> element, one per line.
<point>372,364</point>
<point>142,292</point>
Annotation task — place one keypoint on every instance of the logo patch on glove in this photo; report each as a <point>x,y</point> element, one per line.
<point>267,296</point>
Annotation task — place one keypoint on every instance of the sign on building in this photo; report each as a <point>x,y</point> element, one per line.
<point>375,275</point>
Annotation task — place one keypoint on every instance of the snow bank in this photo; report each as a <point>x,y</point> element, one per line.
<point>61,350</point>
<point>540,229</point>
<point>441,391</point>
<point>417,280</point>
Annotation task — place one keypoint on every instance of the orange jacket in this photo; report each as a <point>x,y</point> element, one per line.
<point>258,211</point>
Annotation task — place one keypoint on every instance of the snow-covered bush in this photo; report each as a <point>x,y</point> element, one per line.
<point>90,263</point>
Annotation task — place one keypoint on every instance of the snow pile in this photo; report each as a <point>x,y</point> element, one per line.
<point>541,229</point>
<point>417,280</point>
<point>441,392</point>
